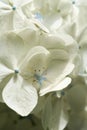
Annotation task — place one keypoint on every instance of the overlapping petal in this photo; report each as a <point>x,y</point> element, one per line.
<point>55,116</point>
<point>20,96</point>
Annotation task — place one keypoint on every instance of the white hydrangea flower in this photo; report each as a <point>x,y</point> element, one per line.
<point>17,93</point>
<point>7,6</point>
<point>78,19</point>
<point>63,50</point>
<point>11,15</point>
<point>26,73</point>
<point>49,14</point>
<point>62,55</point>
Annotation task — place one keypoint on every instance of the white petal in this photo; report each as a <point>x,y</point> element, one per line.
<point>56,24</point>
<point>6,22</point>
<point>4,71</point>
<point>33,52</point>
<point>56,86</point>
<point>54,116</point>
<point>65,7</point>
<point>3,82</point>
<point>29,35</point>
<point>55,41</point>
<point>57,77</point>
<point>59,41</point>
<point>19,3</point>
<point>59,54</point>
<point>20,96</point>
<point>4,8</point>
<point>58,69</point>
<point>21,22</point>
<point>12,50</point>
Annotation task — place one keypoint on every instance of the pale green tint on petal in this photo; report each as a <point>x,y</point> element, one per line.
<point>82,37</point>
<point>57,77</point>
<point>21,22</point>
<point>29,36</point>
<point>56,24</point>
<point>59,69</point>
<point>20,3</point>
<point>52,41</point>
<point>65,7</point>
<point>37,64</point>
<point>8,2</point>
<point>5,75</point>
<point>3,83</point>
<point>83,53</point>
<point>81,19</point>
<point>33,52</point>
<point>6,23</point>
<point>57,86</point>
<point>82,2</point>
<point>54,116</point>
<point>20,96</point>
<point>12,50</point>
<point>59,41</point>
<point>83,65</point>
<point>4,71</point>
<point>4,8</point>
<point>58,54</point>
<point>16,3</point>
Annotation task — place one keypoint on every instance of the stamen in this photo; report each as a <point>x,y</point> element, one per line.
<point>13,8</point>
<point>62,93</point>
<point>73,2</point>
<point>16,71</point>
<point>40,78</point>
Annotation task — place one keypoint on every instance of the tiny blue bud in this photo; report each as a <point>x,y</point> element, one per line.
<point>14,8</point>
<point>73,2</point>
<point>40,78</point>
<point>16,71</point>
<point>38,16</point>
<point>62,93</point>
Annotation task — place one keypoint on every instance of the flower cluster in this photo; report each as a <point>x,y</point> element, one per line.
<point>43,64</point>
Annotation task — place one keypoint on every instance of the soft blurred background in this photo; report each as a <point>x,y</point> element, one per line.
<point>9,120</point>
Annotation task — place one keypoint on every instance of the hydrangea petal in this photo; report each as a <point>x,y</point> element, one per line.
<point>4,71</point>
<point>57,77</point>
<point>34,51</point>
<point>56,86</point>
<point>55,116</point>
<point>20,96</point>
<point>12,50</point>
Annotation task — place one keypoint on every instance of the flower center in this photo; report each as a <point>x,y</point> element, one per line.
<point>13,8</point>
<point>73,2</point>
<point>16,71</point>
<point>39,78</point>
